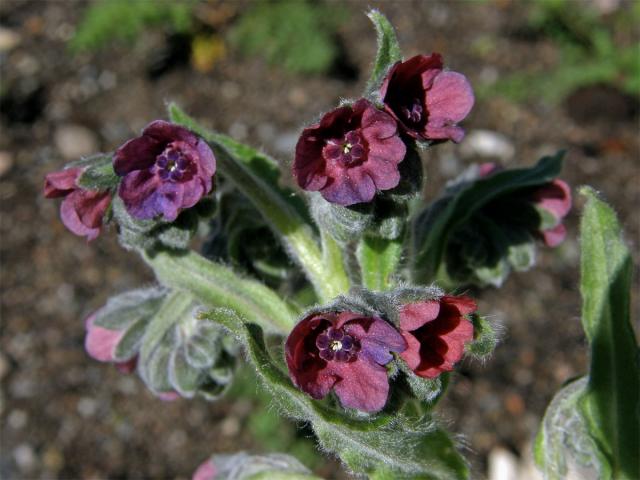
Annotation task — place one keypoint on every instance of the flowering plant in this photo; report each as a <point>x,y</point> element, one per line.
<point>359,337</point>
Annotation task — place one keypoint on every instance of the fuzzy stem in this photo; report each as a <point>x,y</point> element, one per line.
<point>334,263</point>
<point>379,259</point>
<point>296,234</point>
<point>218,286</point>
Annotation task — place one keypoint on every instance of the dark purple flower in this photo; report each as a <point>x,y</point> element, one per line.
<point>81,210</point>
<point>165,170</point>
<point>427,101</point>
<point>436,332</point>
<point>350,154</point>
<point>345,352</point>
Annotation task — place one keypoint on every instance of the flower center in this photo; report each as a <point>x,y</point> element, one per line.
<point>174,163</point>
<point>335,344</point>
<point>413,111</point>
<point>347,151</point>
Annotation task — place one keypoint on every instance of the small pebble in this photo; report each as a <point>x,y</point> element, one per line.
<point>24,457</point>
<point>514,404</point>
<point>238,130</point>
<point>487,144</point>
<point>285,143</point>
<point>75,141</point>
<point>230,427</point>
<point>17,419</point>
<point>87,407</point>
<point>503,465</point>
<point>8,39</point>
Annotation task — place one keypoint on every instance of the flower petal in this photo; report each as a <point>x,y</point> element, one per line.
<point>137,154</point>
<point>415,315</point>
<point>450,97</point>
<point>206,471</point>
<point>362,385</point>
<point>554,236</point>
<point>71,219</point>
<point>555,197</point>
<point>59,184</point>
<point>100,343</point>
<point>354,185</point>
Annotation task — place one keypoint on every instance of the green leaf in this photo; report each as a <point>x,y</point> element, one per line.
<point>122,311</point>
<point>99,174</point>
<point>564,431</point>
<point>255,175</point>
<point>379,259</point>
<point>388,50</point>
<point>215,285</point>
<point>432,228</point>
<point>594,422</point>
<point>415,449</point>
<point>611,403</point>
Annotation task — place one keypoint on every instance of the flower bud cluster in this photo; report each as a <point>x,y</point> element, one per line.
<point>175,353</point>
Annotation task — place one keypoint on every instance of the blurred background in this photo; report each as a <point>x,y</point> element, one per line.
<point>80,77</point>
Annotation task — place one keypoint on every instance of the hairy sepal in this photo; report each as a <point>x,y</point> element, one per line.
<point>151,235</point>
<point>98,173</point>
<point>388,53</point>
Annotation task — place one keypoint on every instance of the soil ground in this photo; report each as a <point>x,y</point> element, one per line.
<point>66,416</point>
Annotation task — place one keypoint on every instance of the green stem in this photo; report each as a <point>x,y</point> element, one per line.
<point>256,176</point>
<point>333,261</point>
<point>379,259</point>
<point>295,233</point>
<point>218,286</point>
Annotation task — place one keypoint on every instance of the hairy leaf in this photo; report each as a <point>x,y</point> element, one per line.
<point>388,50</point>
<point>432,227</point>
<point>611,403</point>
<point>594,423</point>
<point>215,285</point>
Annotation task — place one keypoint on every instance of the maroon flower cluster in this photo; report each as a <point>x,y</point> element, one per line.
<point>165,170</point>
<point>354,151</point>
<point>346,352</point>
